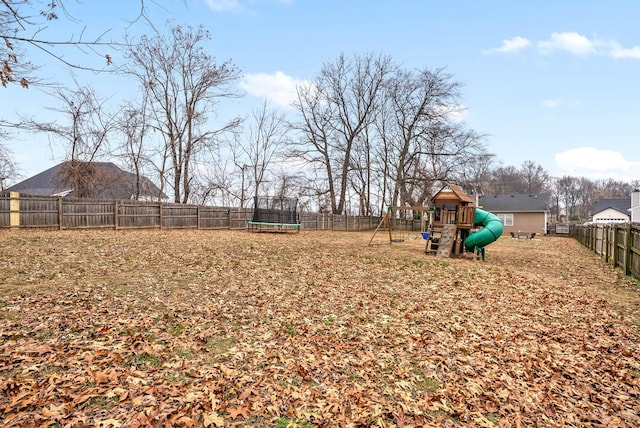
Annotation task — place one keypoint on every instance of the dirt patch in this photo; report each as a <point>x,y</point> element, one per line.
<point>208,328</point>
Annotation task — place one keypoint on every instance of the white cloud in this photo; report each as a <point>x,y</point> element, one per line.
<point>596,163</point>
<point>511,45</point>
<point>619,52</point>
<point>572,42</point>
<point>553,103</point>
<point>454,112</point>
<point>278,87</point>
<point>225,5</point>
<point>235,5</point>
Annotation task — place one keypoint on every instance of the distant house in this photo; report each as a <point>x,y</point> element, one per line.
<point>612,211</point>
<point>102,180</point>
<point>525,213</point>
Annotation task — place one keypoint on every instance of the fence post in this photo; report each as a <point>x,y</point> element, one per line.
<point>14,209</point>
<point>60,213</point>
<point>116,207</point>
<point>606,242</point>
<point>627,250</point>
<point>615,245</point>
<point>198,215</point>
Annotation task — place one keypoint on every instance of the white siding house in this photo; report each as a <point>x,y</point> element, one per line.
<point>612,211</point>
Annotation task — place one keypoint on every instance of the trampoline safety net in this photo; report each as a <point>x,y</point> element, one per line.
<point>269,209</point>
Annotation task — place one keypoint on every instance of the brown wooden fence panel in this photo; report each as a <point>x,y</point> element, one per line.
<point>619,250</point>
<point>619,244</point>
<point>5,211</point>
<point>634,251</point>
<point>316,221</point>
<point>80,213</point>
<point>132,215</point>
<point>214,218</point>
<point>609,238</point>
<point>87,214</point>
<point>239,217</point>
<point>179,216</point>
<point>39,212</point>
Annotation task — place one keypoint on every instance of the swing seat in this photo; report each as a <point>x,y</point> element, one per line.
<point>425,236</point>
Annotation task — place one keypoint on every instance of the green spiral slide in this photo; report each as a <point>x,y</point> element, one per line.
<point>490,232</point>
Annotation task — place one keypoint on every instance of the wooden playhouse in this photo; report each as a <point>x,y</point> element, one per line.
<point>451,222</point>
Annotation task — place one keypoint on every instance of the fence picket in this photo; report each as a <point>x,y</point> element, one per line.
<point>619,244</point>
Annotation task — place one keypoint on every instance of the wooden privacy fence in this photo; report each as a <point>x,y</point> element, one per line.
<point>618,243</point>
<point>79,213</point>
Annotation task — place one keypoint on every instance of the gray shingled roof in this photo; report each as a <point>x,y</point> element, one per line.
<point>120,184</point>
<point>622,205</point>
<point>515,202</point>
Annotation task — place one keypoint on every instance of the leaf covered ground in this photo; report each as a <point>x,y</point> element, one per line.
<point>220,328</point>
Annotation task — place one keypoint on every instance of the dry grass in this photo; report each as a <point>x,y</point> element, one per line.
<point>204,328</point>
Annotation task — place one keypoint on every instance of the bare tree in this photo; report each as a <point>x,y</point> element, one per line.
<point>287,183</point>
<point>568,190</point>
<point>529,178</point>
<point>362,168</point>
<point>535,177</point>
<point>611,189</point>
<point>334,112</point>
<point>446,153</point>
<point>85,137</point>
<point>476,174</point>
<point>505,179</point>
<point>423,145</point>
<point>185,85</point>
<point>23,24</point>
<point>262,144</point>
<point>586,198</point>
<point>133,124</point>
<point>8,168</point>
<point>219,185</point>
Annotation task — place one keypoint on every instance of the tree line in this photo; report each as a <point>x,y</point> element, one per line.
<point>364,133</point>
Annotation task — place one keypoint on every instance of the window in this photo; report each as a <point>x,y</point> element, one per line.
<point>506,219</point>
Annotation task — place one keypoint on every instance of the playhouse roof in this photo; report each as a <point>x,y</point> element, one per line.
<point>452,192</point>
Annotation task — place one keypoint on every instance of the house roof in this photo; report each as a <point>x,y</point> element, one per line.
<point>622,205</point>
<point>521,202</point>
<point>114,183</point>
<point>452,192</point>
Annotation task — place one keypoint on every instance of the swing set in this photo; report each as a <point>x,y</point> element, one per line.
<point>448,225</point>
<point>402,229</point>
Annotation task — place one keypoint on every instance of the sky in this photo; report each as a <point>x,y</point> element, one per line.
<point>553,82</point>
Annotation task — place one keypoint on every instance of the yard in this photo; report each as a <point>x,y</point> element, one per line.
<point>208,328</point>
